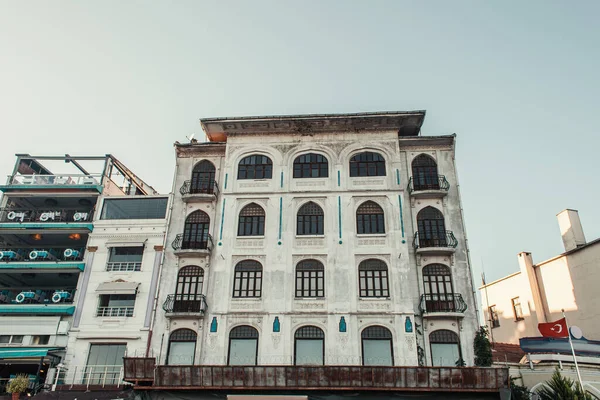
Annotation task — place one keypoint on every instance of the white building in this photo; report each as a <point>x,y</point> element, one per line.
<point>321,240</point>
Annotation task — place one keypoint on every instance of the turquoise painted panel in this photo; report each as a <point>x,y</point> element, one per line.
<point>46,225</point>
<point>48,265</point>
<point>9,188</point>
<point>47,309</point>
<point>22,352</point>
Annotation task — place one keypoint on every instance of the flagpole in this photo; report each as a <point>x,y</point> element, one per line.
<point>572,349</point>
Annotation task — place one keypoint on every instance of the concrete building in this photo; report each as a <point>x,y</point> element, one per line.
<point>515,304</point>
<point>46,219</point>
<point>320,240</point>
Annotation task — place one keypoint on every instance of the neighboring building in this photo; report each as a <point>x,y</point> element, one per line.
<point>323,240</point>
<point>515,304</point>
<point>46,219</point>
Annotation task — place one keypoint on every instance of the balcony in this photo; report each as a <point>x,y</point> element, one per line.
<point>185,305</point>
<point>43,181</point>
<point>442,305</point>
<point>114,312</point>
<point>46,218</point>
<point>147,376</point>
<point>202,191</point>
<point>428,187</point>
<point>37,301</point>
<point>41,258</point>
<point>192,246</point>
<point>430,243</point>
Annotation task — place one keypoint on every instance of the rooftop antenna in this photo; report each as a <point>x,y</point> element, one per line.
<point>191,138</point>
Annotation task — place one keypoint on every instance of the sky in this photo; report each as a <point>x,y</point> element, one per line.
<point>518,82</point>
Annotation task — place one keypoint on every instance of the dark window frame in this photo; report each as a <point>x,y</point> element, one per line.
<point>310,165</point>
<point>425,173</point>
<point>182,332</point>
<point>438,285</point>
<point>370,219</point>
<point>517,308</point>
<point>431,228</point>
<point>370,273</point>
<point>188,289</point>
<point>309,332</point>
<point>196,230</point>
<point>367,163</point>
<point>494,318</point>
<point>203,177</point>
<point>251,221</point>
<point>310,220</point>
<point>248,274</point>
<point>312,271</point>
<point>242,332</point>
<point>444,336</point>
<point>111,210</point>
<point>249,167</point>
<point>376,332</point>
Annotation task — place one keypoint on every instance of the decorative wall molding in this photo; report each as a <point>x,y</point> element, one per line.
<point>372,241</point>
<point>313,242</point>
<point>246,242</point>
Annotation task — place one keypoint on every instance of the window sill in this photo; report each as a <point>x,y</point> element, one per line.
<point>255,299</point>
<point>251,237</point>
<point>368,235</point>
<point>309,236</point>
<point>309,298</point>
<point>374,298</point>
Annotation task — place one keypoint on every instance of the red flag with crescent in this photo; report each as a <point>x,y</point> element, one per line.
<point>556,329</point>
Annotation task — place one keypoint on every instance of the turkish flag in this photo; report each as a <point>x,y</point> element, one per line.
<point>557,329</point>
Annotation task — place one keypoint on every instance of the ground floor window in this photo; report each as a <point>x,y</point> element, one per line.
<point>182,347</point>
<point>377,346</point>
<point>445,349</point>
<point>309,346</point>
<point>243,346</point>
<point>104,364</point>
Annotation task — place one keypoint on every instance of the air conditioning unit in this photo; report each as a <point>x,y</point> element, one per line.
<point>47,255</point>
<point>71,253</point>
<point>10,255</point>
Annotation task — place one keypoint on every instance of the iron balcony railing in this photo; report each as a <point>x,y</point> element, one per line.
<point>124,266</point>
<point>203,187</point>
<point>41,255</point>
<point>442,303</point>
<point>434,239</point>
<point>201,242</point>
<point>37,296</point>
<point>114,312</point>
<point>45,215</point>
<point>185,303</point>
<point>87,376</point>
<point>433,182</point>
<point>71,179</point>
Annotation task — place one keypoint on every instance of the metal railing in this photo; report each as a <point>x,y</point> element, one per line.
<point>124,266</point>
<point>194,243</point>
<point>433,182</point>
<point>442,302</point>
<point>88,375</point>
<point>430,239</point>
<point>204,187</point>
<point>70,179</point>
<point>185,303</point>
<point>41,255</point>
<point>45,215</point>
<point>37,296</point>
<point>114,312</point>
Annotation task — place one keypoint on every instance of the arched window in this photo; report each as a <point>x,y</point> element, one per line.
<point>309,346</point>
<point>310,279</point>
<point>424,173</point>
<point>439,294</point>
<point>367,164</point>
<point>188,294</point>
<point>243,346</point>
<point>310,219</point>
<point>311,165</point>
<point>255,166</point>
<point>373,278</point>
<point>252,221</point>
<point>369,218</point>
<point>377,346</point>
<point>195,231</point>
<point>248,279</point>
<point>431,228</point>
<point>182,347</point>
<point>445,348</point>
<point>203,178</point>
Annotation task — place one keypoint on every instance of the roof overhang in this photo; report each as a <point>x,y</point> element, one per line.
<point>118,288</point>
<point>406,123</point>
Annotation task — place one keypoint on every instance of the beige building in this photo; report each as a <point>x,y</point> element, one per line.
<point>514,305</point>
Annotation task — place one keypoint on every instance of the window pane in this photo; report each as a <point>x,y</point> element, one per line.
<point>309,352</point>
<point>377,352</point>
<point>242,351</point>
<point>151,208</point>
<point>181,353</point>
<point>444,354</point>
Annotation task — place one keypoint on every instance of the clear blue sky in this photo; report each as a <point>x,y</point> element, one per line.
<point>516,80</point>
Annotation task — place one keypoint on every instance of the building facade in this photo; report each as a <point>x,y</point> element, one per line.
<point>316,240</point>
<point>46,222</point>
<point>516,304</point>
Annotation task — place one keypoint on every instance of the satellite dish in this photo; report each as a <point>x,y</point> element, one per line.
<point>576,332</point>
<point>191,137</point>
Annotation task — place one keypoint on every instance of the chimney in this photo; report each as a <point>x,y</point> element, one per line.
<point>570,229</point>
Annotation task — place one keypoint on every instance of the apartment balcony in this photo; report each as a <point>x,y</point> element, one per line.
<point>185,306</point>
<point>428,187</point>
<point>114,311</point>
<point>46,218</point>
<point>37,301</point>
<point>146,375</point>
<point>193,246</point>
<point>201,191</point>
<point>13,259</point>
<point>19,182</point>
<point>442,305</point>
<point>435,243</point>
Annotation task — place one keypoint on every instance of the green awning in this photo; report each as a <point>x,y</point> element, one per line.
<point>24,352</point>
